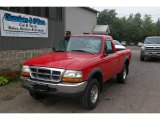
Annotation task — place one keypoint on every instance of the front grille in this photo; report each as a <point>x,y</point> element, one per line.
<point>46,74</point>
<point>153,49</point>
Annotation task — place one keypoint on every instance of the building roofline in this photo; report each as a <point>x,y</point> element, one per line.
<point>91,9</point>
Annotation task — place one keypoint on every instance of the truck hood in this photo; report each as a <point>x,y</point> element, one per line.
<point>65,60</point>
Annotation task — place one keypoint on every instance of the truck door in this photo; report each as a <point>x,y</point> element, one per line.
<point>110,60</point>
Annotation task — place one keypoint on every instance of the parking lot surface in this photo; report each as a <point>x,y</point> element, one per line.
<point>141,94</point>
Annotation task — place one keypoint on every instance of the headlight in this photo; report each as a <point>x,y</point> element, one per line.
<point>72,76</point>
<point>143,48</point>
<point>25,71</point>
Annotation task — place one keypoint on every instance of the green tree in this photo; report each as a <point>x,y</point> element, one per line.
<point>148,27</point>
<point>157,26</point>
<point>131,29</point>
<point>108,17</point>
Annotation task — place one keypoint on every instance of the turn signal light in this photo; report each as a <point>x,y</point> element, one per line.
<point>25,74</point>
<point>72,80</point>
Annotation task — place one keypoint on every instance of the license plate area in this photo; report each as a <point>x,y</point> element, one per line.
<point>40,87</point>
<point>154,54</point>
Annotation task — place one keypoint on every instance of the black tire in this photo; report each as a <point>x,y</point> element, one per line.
<point>36,95</point>
<point>142,58</point>
<point>86,100</point>
<point>121,77</point>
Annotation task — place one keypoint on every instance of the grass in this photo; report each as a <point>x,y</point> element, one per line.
<point>3,81</point>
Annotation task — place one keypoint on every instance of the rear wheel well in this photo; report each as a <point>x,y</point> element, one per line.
<point>99,77</point>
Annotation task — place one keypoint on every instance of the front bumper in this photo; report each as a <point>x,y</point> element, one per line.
<point>54,88</point>
<point>150,54</point>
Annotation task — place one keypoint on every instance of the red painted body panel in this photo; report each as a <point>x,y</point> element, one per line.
<point>66,60</point>
<point>109,65</point>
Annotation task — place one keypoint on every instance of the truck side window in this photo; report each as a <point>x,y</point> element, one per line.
<point>108,47</point>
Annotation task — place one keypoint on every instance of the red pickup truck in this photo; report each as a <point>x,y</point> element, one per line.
<point>79,66</point>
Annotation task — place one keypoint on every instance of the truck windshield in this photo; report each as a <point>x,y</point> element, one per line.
<point>80,44</point>
<point>152,41</point>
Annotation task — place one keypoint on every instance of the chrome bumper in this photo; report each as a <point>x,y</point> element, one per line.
<point>55,88</point>
<point>150,54</point>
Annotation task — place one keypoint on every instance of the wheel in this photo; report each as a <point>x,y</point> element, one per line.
<point>90,96</point>
<point>121,77</point>
<point>142,58</point>
<point>36,95</point>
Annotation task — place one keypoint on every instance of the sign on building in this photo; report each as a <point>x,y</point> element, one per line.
<point>22,25</point>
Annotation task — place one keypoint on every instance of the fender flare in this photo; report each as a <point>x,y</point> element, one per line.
<point>125,59</point>
<point>124,62</point>
<point>95,70</point>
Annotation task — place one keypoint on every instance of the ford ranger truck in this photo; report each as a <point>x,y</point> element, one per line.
<point>150,48</point>
<point>79,66</point>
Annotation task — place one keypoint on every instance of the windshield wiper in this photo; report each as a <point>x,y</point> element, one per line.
<point>83,51</point>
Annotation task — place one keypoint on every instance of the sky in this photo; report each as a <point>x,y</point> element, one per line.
<point>126,11</point>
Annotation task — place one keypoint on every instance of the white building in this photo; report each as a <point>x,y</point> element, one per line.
<point>80,19</point>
